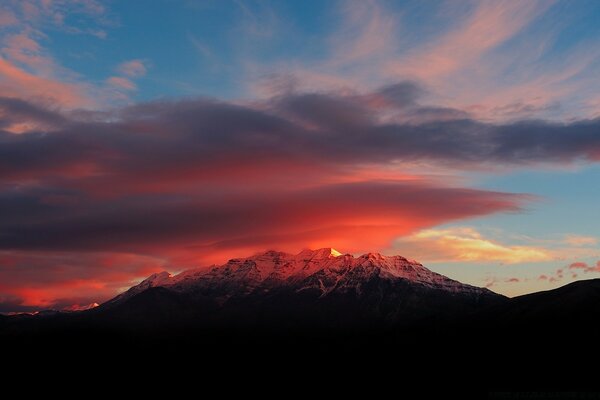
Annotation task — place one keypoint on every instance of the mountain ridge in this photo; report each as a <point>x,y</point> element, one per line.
<point>321,287</point>
<point>325,268</point>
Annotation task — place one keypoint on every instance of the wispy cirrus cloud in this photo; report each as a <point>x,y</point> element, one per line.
<point>487,25</point>
<point>28,71</point>
<point>496,60</point>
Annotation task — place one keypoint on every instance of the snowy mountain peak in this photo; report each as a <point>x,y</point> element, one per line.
<point>163,278</point>
<point>326,252</point>
<point>373,256</point>
<point>324,270</point>
<point>156,279</point>
<point>314,286</point>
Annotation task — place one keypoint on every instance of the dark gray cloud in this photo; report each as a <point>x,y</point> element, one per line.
<point>202,169</point>
<point>34,220</point>
<point>194,180</point>
<point>14,110</point>
<point>296,129</point>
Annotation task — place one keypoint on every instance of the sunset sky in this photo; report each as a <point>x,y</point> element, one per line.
<point>141,136</point>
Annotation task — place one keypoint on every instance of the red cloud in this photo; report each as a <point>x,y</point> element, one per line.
<point>60,280</point>
<point>188,183</point>
<point>585,267</point>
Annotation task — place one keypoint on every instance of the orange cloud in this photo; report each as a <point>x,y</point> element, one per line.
<point>580,241</point>
<point>465,244</point>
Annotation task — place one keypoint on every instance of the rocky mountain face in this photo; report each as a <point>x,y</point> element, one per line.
<point>315,286</point>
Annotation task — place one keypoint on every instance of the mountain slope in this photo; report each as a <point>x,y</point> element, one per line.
<point>321,287</point>
<point>577,303</point>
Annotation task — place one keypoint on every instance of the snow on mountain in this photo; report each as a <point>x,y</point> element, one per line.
<point>77,307</point>
<point>154,280</point>
<point>325,270</point>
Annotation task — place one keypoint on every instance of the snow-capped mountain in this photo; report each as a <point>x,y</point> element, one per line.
<point>324,269</point>
<point>313,282</point>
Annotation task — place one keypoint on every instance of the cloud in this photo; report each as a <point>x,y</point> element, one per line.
<point>132,68</point>
<point>366,30</point>
<point>580,241</point>
<point>18,83</point>
<point>488,25</point>
<point>18,116</point>
<point>465,244</point>
<point>28,71</point>
<point>63,248</point>
<point>128,71</point>
<point>186,140</point>
<point>31,280</point>
<point>572,268</point>
<point>196,181</point>
<point>499,61</point>
<point>7,18</point>
<point>217,218</point>
<point>121,83</point>
<point>191,182</point>
<point>585,267</point>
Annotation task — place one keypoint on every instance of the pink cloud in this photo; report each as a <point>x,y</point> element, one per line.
<point>571,269</point>
<point>578,265</point>
<point>7,18</point>
<point>23,50</point>
<point>16,82</point>
<point>132,68</point>
<point>585,267</point>
<point>121,83</point>
<point>367,30</point>
<point>490,24</point>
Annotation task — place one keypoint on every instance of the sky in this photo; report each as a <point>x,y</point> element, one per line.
<point>137,137</point>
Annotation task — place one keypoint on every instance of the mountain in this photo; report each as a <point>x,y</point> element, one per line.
<point>371,319</point>
<point>571,307</point>
<point>322,287</point>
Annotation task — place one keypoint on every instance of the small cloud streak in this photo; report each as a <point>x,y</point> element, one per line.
<point>580,241</point>
<point>133,68</point>
<point>121,83</point>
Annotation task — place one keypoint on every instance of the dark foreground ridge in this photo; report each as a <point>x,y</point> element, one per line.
<point>334,313</point>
